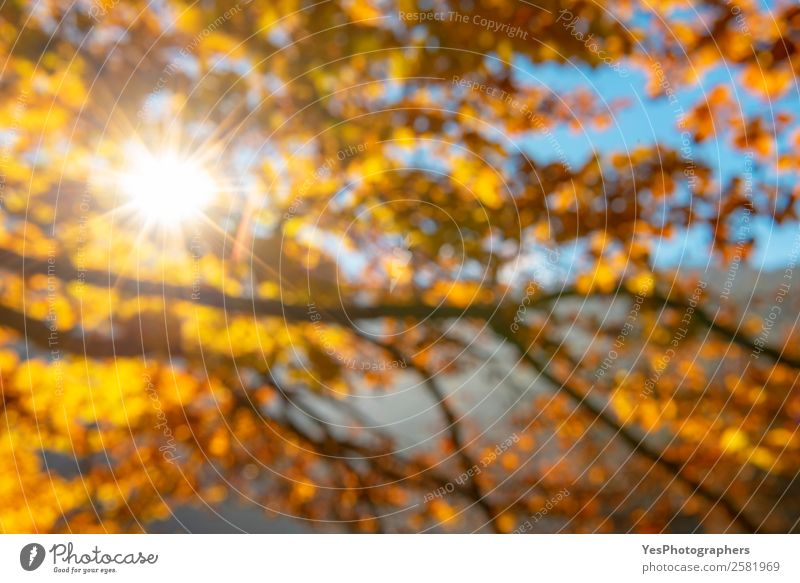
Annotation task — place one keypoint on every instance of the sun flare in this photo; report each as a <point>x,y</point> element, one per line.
<point>167,188</point>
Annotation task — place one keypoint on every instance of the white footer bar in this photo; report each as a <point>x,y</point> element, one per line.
<point>402,558</point>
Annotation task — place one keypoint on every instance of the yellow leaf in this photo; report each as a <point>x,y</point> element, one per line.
<point>762,458</point>
<point>733,440</point>
<point>487,188</point>
<point>641,284</point>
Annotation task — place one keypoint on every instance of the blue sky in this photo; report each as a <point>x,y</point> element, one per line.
<point>647,121</point>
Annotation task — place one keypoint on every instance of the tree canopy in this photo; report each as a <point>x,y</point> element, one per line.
<point>234,233</point>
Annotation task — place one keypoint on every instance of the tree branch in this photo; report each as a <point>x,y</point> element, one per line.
<point>343,314</point>
<point>638,444</point>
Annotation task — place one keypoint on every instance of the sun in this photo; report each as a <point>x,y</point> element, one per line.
<point>166,188</point>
